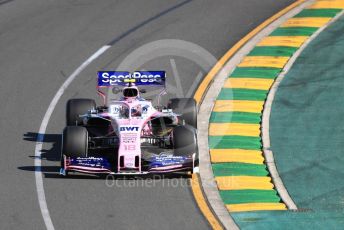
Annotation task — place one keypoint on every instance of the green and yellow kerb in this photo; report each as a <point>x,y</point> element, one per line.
<point>235,124</point>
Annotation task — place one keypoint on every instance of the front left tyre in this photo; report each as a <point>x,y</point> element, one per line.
<point>185,143</point>
<point>184,140</point>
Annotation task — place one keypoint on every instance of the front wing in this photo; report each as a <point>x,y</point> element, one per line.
<point>155,164</point>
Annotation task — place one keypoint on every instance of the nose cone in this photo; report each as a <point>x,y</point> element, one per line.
<point>130,147</point>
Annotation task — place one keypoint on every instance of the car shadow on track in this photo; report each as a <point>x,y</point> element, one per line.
<point>53,154</point>
<point>50,152</point>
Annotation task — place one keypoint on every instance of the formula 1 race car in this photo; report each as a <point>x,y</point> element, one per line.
<point>127,134</point>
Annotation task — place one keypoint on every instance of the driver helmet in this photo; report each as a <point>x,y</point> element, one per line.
<point>130,92</point>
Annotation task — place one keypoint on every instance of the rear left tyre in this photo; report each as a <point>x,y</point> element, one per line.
<point>187,107</point>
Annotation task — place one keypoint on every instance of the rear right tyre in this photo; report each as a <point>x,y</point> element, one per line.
<point>77,107</point>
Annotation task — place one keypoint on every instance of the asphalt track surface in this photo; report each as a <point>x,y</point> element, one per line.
<point>41,43</point>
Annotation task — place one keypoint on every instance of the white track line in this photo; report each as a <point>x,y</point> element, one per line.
<point>39,143</point>
<point>269,156</point>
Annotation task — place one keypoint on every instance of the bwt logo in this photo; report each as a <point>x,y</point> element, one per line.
<point>129,128</point>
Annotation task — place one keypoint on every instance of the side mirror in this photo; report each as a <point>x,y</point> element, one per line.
<point>116,90</point>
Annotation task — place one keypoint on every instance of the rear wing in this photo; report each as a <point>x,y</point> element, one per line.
<point>110,81</point>
<point>138,78</point>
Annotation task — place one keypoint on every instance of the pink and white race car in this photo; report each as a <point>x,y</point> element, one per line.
<point>127,134</point>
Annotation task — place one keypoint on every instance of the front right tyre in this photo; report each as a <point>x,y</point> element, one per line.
<point>74,144</point>
<point>75,141</point>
